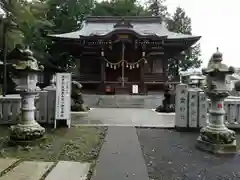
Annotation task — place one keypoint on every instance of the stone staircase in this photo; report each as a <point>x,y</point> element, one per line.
<point>121,102</point>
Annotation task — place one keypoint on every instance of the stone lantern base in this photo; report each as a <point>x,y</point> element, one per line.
<point>26,132</point>
<point>27,129</point>
<point>218,142</point>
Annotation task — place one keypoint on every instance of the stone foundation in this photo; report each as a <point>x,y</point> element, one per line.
<point>217,148</point>
<point>26,132</point>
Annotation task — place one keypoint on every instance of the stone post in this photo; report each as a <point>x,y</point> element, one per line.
<point>181,108</point>
<point>51,99</point>
<point>216,137</point>
<point>26,79</point>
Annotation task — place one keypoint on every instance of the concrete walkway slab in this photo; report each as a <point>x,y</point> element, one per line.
<point>5,163</point>
<point>69,170</point>
<point>28,170</point>
<point>124,101</point>
<point>133,117</point>
<point>121,157</point>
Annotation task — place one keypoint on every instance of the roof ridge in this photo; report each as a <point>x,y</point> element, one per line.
<point>156,19</point>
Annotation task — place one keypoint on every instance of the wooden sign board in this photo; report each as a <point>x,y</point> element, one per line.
<point>135,89</point>
<point>123,36</point>
<point>63,98</point>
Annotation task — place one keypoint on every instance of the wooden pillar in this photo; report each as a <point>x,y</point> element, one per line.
<point>177,73</point>
<point>142,84</point>
<point>165,68</point>
<point>103,75</point>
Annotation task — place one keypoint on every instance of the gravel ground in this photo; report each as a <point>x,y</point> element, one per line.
<point>171,155</point>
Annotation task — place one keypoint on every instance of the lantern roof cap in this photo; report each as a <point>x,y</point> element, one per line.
<point>217,56</point>
<point>215,65</point>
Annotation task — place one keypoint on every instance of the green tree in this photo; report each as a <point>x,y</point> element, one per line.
<point>157,8</point>
<point>13,11</point>
<point>32,24</point>
<point>25,22</point>
<point>67,15</point>
<point>118,8</point>
<point>181,23</point>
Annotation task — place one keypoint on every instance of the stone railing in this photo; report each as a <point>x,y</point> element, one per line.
<point>232,109</point>
<point>192,108</point>
<point>10,109</point>
<point>45,107</point>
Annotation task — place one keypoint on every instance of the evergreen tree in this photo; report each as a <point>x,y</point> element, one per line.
<point>181,23</point>
<point>67,15</point>
<point>157,8</point>
<point>118,8</point>
<point>24,22</point>
<point>13,12</point>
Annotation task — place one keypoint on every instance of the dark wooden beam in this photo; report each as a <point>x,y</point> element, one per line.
<point>103,69</point>
<point>142,84</point>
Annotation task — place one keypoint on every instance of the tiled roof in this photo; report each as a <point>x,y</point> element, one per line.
<point>144,26</point>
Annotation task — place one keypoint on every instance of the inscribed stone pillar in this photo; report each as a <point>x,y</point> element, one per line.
<point>202,109</point>
<point>193,107</point>
<point>181,116</point>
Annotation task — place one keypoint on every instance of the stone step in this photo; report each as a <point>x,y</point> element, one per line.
<point>124,117</point>
<point>69,170</point>
<point>34,170</point>
<point>123,101</point>
<point>28,170</point>
<point>5,163</point>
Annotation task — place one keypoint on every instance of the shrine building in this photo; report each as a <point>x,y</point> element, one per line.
<point>115,53</point>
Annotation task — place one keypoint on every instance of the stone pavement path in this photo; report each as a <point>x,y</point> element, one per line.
<point>121,157</point>
<point>130,153</point>
<point>13,169</point>
<point>124,117</point>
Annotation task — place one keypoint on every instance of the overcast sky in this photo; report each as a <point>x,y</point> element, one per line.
<point>217,21</point>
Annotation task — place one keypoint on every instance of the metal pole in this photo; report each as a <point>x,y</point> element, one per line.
<point>123,51</point>
<point>4,57</point>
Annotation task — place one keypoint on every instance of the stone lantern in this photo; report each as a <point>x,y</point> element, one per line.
<point>216,137</point>
<point>195,81</point>
<point>25,76</point>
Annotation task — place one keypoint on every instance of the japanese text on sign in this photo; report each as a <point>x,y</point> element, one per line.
<point>63,98</point>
